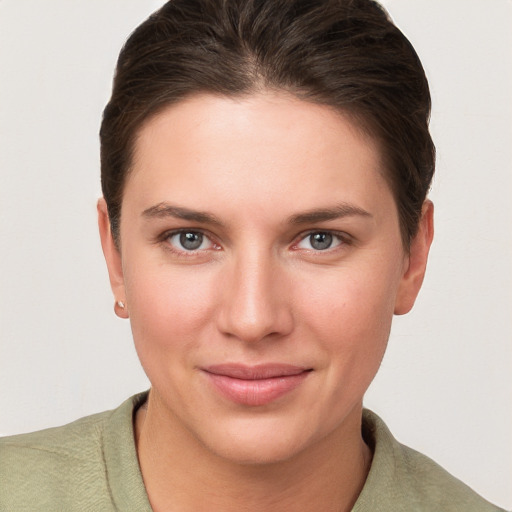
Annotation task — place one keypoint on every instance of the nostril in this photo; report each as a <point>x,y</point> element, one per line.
<point>251,328</point>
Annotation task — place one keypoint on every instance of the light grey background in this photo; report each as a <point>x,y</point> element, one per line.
<point>445,386</point>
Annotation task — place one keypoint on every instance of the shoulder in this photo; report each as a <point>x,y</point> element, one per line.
<point>403,479</point>
<point>430,482</point>
<point>64,461</point>
<point>73,441</point>
<point>63,465</point>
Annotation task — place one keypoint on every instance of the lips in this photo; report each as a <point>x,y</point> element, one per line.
<point>255,385</point>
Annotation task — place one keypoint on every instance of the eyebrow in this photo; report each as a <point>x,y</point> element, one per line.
<point>325,214</point>
<point>163,210</point>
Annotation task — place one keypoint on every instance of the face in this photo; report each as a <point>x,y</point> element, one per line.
<point>261,263</point>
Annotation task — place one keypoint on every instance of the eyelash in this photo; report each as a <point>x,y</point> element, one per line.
<point>165,239</point>
<point>343,239</point>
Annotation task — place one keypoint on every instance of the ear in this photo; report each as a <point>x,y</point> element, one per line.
<point>416,262</point>
<point>113,259</point>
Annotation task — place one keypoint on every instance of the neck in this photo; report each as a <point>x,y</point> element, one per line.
<point>182,475</point>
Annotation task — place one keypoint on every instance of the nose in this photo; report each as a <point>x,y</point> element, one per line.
<point>255,304</point>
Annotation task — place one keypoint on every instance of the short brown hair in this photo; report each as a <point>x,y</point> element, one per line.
<point>343,53</point>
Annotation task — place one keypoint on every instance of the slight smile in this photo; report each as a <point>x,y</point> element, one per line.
<point>255,385</point>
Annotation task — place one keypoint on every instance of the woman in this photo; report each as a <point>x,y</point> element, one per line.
<point>265,167</point>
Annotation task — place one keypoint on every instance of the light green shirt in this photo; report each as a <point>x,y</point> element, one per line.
<point>91,465</point>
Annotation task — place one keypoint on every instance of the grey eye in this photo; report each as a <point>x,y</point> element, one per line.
<point>187,241</point>
<point>191,240</point>
<point>320,241</point>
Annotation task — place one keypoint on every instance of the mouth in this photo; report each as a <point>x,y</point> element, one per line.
<point>255,385</point>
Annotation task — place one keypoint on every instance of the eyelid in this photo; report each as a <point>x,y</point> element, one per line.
<point>166,235</point>
<point>343,237</point>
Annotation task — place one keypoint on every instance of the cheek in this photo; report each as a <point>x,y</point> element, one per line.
<point>351,317</point>
<point>168,309</point>
<point>351,300</point>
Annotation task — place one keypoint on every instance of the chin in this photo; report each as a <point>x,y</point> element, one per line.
<point>257,453</point>
<point>258,442</point>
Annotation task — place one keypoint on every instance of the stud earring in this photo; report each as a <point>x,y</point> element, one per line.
<point>120,309</point>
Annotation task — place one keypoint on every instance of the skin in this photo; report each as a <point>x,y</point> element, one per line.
<point>257,291</point>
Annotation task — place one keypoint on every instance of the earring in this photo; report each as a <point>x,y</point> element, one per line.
<point>120,309</point>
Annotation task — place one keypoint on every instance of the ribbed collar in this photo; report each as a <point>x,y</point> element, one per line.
<point>122,466</point>
<point>386,473</point>
<point>389,486</point>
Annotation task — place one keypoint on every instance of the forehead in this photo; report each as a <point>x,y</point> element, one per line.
<point>257,150</point>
